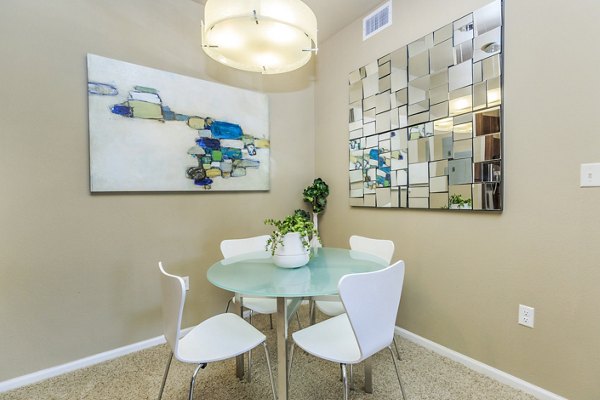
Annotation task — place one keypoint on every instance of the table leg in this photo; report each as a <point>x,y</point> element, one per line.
<point>239,360</point>
<point>282,349</point>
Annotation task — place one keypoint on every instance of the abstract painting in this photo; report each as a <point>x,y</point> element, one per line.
<point>152,130</point>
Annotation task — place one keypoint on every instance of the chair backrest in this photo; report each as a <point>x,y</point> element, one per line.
<point>371,300</point>
<point>381,248</point>
<point>235,247</point>
<point>173,298</point>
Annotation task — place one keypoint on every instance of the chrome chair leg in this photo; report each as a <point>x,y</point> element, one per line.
<point>249,374</point>
<point>311,315</point>
<point>298,319</point>
<point>397,372</point>
<point>351,377</point>
<point>271,320</point>
<point>228,304</point>
<point>289,374</point>
<point>270,370</point>
<point>345,379</point>
<point>162,386</point>
<point>396,346</point>
<point>198,368</point>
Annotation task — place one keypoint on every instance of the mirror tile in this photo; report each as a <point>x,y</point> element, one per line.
<point>463,29</point>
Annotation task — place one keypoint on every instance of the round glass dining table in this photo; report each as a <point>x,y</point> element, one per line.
<point>254,274</point>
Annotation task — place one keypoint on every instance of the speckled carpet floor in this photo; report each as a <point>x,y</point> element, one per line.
<point>425,375</point>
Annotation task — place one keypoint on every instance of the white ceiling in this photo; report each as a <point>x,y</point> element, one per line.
<point>333,15</point>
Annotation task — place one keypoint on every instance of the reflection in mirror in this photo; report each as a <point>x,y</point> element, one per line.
<point>438,168</point>
<point>491,67</point>
<point>463,52</point>
<point>382,122</point>
<point>369,115</point>
<point>400,160</point>
<point>385,83</point>
<point>460,171</point>
<point>487,172</point>
<point>418,191</point>
<point>438,200</point>
<point>420,45</point>
<point>394,121</point>
<point>382,102</point>
<point>487,196</point>
<point>416,132</point>
<point>417,152</point>
<point>460,75</point>
<point>442,126</point>
<point>463,119</point>
<point>384,59</point>
<point>418,90</point>
<point>460,101</point>
<point>463,29</point>
<point>395,197</point>
<point>477,72</point>
<point>487,121</point>
<point>369,200</point>
<point>371,141</point>
<point>370,85</point>
<point>385,147</point>
<point>418,107</point>
<point>399,69</point>
<point>440,147</point>
<point>356,160</point>
<point>355,114</point>
<point>418,65</point>
<point>438,79</point>
<point>418,173</point>
<point>357,144</point>
<point>356,134</point>
<point>439,184</point>
<point>463,149</point>
<point>487,18</point>
<point>463,131</point>
<point>384,197</point>
<point>372,68</point>
<point>369,102</point>
<point>488,44</point>
<point>402,116</point>
<point>402,177</point>
<point>403,197</point>
<point>487,147</point>
<point>399,98</point>
<point>494,94</point>
<point>356,176</point>
<point>399,139</point>
<point>439,110</point>
<point>463,191</point>
<point>354,77</point>
<point>442,34</point>
<point>418,202</point>
<point>438,94</point>
<point>368,128</point>
<point>356,93</point>
<point>418,118</point>
<point>384,69</point>
<point>480,95</point>
<point>442,56</point>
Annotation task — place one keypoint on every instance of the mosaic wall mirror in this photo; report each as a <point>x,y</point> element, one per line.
<point>425,121</point>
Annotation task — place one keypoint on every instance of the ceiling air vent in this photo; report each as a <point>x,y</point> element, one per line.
<point>378,20</point>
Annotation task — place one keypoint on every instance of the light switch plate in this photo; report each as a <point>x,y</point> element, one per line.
<point>590,175</point>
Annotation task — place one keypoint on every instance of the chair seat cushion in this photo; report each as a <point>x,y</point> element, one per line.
<point>332,339</point>
<point>218,338</point>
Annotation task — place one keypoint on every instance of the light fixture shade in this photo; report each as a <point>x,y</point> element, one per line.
<point>267,36</point>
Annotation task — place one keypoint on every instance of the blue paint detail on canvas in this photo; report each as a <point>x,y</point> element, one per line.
<point>168,114</point>
<point>120,109</point>
<point>102,89</point>
<point>208,143</point>
<point>374,154</point>
<point>225,130</point>
<point>231,154</point>
<point>203,182</point>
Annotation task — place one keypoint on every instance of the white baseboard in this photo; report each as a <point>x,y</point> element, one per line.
<point>480,367</point>
<point>51,372</point>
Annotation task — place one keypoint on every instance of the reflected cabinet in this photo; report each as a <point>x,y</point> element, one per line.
<point>425,121</point>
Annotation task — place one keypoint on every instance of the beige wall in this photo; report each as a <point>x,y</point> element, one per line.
<point>467,273</point>
<point>78,271</point>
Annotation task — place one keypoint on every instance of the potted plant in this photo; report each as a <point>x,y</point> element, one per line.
<point>456,201</point>
<point>289,243</point>
<point>316,194</point>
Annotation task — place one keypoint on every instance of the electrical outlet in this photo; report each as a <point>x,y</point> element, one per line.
<point>186,280</point>
<point>526,315</point>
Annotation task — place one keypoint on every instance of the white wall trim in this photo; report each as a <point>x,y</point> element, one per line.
<point>480,367</point>
<point>51,372</point>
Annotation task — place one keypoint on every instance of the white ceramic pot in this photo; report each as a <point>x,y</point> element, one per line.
<point>291,254</point>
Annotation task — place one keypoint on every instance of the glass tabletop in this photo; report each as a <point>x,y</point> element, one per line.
<point>255,274</point>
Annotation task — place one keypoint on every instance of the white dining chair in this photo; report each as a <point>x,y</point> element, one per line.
<point>359,333</point>
<point>217,338</point>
